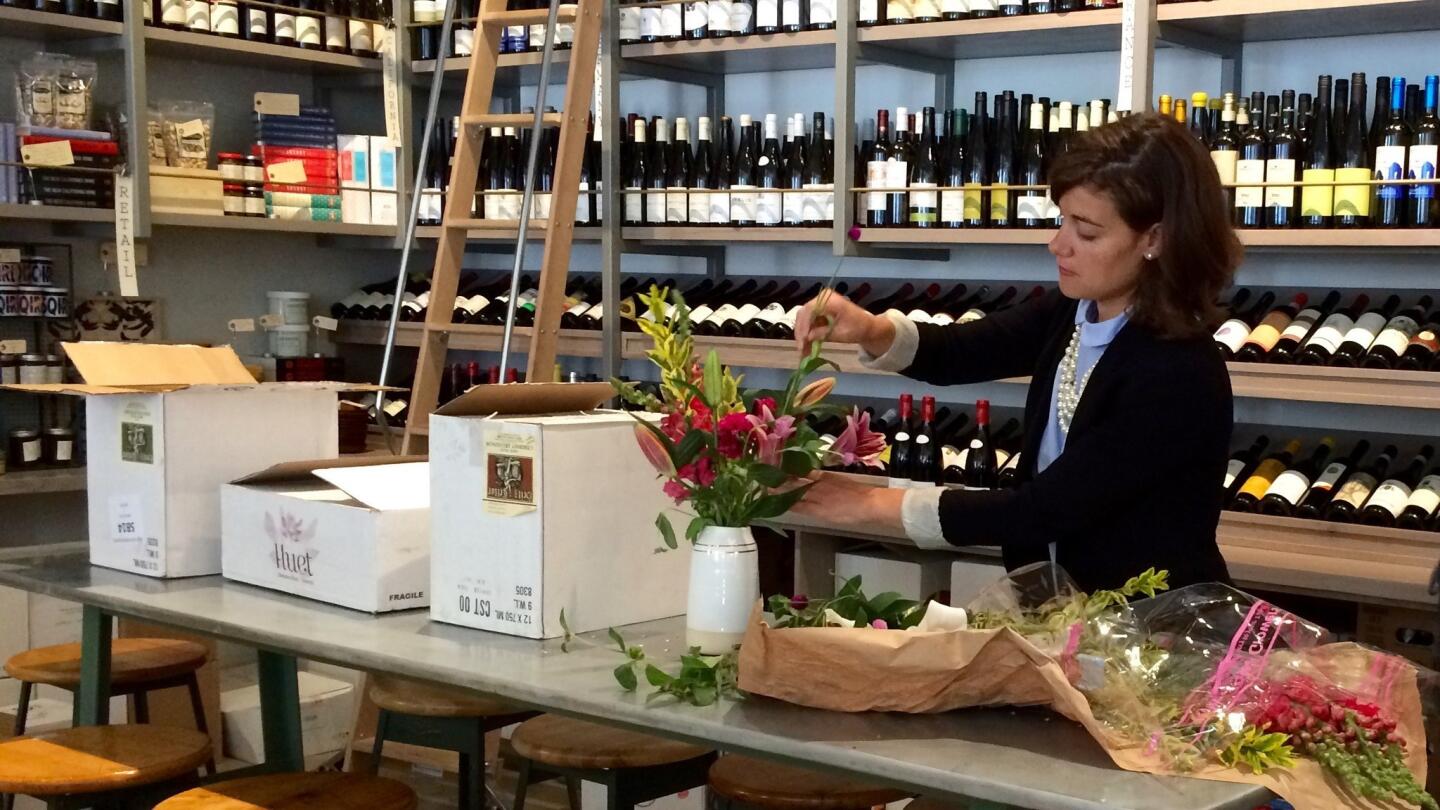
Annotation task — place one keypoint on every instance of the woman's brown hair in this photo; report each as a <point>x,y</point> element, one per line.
<point>1155,171</point>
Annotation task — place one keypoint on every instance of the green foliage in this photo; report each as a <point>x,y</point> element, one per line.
<point>851,603</point>
<point>702,679</point>
<point>667,533</point>
<point>1258,751</point>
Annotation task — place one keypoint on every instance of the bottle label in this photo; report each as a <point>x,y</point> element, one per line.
<point>1249,171</point>
<point>1232,334</point>
<point>876,176</point>
<point>742,17</point>
<point>1426,496</point>
<point>923,205</point>
<point>577,309</point>
<point>1332,332</point>
<point>1289,486</point>
<point>634,205</point>
<point>898,11</point>
<point>1365,329</point>
<point>307,30</point>
<point>1267,334</point>
<point>697,17</point>
<point>1397,334</point>
<point>1422,167</point>
<point>769,209</point>
<point>897,173</point>
<point>335,32</point>
<point>284,26</point>
<point>655,207</point>
<point>1390,496</point>
<point>942,319</point>
<point>772,313</point>
<point>1032,206</point>
<point>677,205</point>
<point>817,205</point>
<point>869,11</point>
<point>999,204</point>
<point>1427,338</point>
<point>629,24</point>
<point>822,12</point>
<point>743,204</point>
<point>1280,170</point>
<point>225,19</point>
<point>1259,481</point>
<point>1356,490</point>
<point>432,203</point>
<point>974,206</point>
<point>1301,326</point>
<point>977,6</point>
<point>954,7</point>
<point>1352,201</point>
<point>1225,164</point>
<point>197,15</point>
<point>952,206</point>
<point>1390,164</point>
<point>746,314</point>
<point>790,14</point>
<point>1317,200</point>
<point>362,35</point>
<point>701,313</point>
<point>918,316</point>
<point>926,9</point>
<point>172,12</point>
<point>697,208</point>
<point>650,22</point>
<point>672,23</point>
<point>582,204</point>
<point>767,13</point>
<point>1232,471</point>
<point>972,314</point>
<point>719,13</point>
<point>791,315</point>
<point>719,209</point>
<point>1327,479</point>
<point>792,207</point>
<point>507,205</point>
<point>541,207</point>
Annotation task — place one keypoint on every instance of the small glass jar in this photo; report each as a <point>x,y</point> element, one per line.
<point>32,369</point>
<point>254,201</point>
<point>54,369</point>
<point>254,170</point>
<point>234,199</point>
<point>24,448</point>
<point>58,446</point>
<point>232,166</point>
<point>9,369</point>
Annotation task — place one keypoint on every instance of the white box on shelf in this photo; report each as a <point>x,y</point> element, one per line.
<point>548,507</point>
<point>326,706</point>
<point>352,532</point>
<point>167,426</point>
<point>382,164</point>
<point>354,161</point>
<point>970,576</point>
<point>52,711</point>
<point>384,208</point>
<point>355,206</point>
<point>912,573</point>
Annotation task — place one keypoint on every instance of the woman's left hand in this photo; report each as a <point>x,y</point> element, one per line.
<point>837,500</point>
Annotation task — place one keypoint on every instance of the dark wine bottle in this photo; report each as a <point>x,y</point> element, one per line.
<point>1422,504</point>
<point>1352,495</point>
<point>1300,329</point>
<point>1265,473</point>
<point>1395,339</point>
<point>877,174</point>
<point>1249,211</point>
<point>924,206</point>
<point>1388,208</point>
<point>1389,499</point>
<point>902,444</point>
<point>1004,171</point>
<point>792,172</point>
<point>1423,348</point>
<point>1317,196</point>
<point>1241,465</point>
<point>701,172</point>
<point>1323,342</point>
<point>1232,334</point>
<point>1267,333</point>
<point>1352,202</point>
<point>743,199</point>
<point>897,171</point>
<point>1032,208</point>
<point>768,207</point>
<point>723,175</point>
<point>1323,489</point>
<point>636,175</point>
<point>1225,149</point>
<point>926,468</point>
<point>818,204</point>
<point>982,466</point>
<point>1362,335</point>
<point>1284,151</point>
<point>977,167</point>
<point>1424,144</point>
<point>678,177</point>
<point>952,172</point>
<point>1288,488</point>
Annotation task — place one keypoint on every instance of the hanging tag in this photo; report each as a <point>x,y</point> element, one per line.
<point>125,236</point>
<point>287,171</point>
<point>277,104</point>
<point>1129,11</point>
<point>271,321</point>
<point>326,323</point>
<point>242,324</point>
<point>9,255</point>
<point>13,346</point>
<point>390,81</point>
<point>54,153</point>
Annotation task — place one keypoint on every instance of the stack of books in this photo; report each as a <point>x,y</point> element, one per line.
<point>307,185</point>
<point>59,186</point>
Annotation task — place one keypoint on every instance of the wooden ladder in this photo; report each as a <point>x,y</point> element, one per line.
<point>475,117</point>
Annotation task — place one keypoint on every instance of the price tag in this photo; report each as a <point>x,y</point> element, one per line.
<point>288,171</point>
<point>326,323</point>
<point>55,153</point>
<point>271,321</point>
<point>394,407</point>
<point>13,346</point>
<point>390,85</point>
<point>127,518</point>
<point>125,236</point>
<point>277,103</point>
<point>10,255</point>
<point>242,324</point>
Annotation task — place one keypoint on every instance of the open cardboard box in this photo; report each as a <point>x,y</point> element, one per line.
<point>352,532</point>
<point>541,503</point>
<point>166,426</point>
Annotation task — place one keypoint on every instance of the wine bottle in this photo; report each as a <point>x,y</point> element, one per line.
<point>952,171</point>
<point>1032,208</point>
<point>818,203</point>
<point>1003,172</point>
<point>1421,506</point>
<point>1255,487</point>
<point>1396,338</point>
<point>976,200</point>
<point>739,320</point>
<point>629,24</point>
<point>1362,335</point>
<point>1381,116</point>
<point>882,305</point>
<point>1241,465</point>
<point>679,176</point>
<point>1317,197</point>
<point>902,444</point>
<point>743,199</point>
<point>767,16</point>
<point>1199,117</point>
<point>656,171</point>
<point>1267,333</point>
<point>1249,211</point>
<point>924,205</point>
<point>1232,334</point>
<point>432,195</point>
<point>1424,144</point>
<point>1352,495</point>
<point>1323,489</point>
<point>1331,333</point>
<point>718,15</point>
<point>926,469</point>
<point>701,171</point>
<point>820,16</point>
<point>1300,329</point>
<point>1288,488</point>
<point>1388,208</point>
<point>1389,499</point>
<point>877,174</point>
<point>586,211</point>
<point>792,172</point>
<point>770,310</point>
<point>982,468</point>
<point>1352,202</point>
<point>636,175</point>
<point>742,17</point>
<point>982,9</point>
<point>1422,349</point>
<point>768,203</point>
<point>650,23</point>
<point>1284,149</point>
<point>897,171</point>
<point>868,13</point>
<point>981,309</point>
<point>723,175</point>
<point>898,12</point>
<point>1225,149</point>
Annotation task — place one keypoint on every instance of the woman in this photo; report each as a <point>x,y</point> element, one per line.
<point>1128,416</point>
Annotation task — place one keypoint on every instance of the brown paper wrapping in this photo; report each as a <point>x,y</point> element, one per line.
<point>835,668</point>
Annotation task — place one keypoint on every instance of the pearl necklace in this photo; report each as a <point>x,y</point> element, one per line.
<point>1068,394</point>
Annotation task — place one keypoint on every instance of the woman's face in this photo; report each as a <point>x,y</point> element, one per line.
<point>1100,257</point>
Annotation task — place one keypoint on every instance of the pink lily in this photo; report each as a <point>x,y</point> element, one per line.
<point>858,443</point>
<point>770,434</point>
<point>654,451</point>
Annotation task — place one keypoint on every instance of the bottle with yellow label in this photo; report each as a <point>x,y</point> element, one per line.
<point>1317,195</point>
<point>1255,487</point>
<point>1352,202</point>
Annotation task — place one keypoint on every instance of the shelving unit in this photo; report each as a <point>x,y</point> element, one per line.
<point>1246,21</point>
<point>800,50</point>
<point>55,213</point>
<point>51,26</point>
<point>723,235</point>
<point>39,482</point>
<point>1074,32</point>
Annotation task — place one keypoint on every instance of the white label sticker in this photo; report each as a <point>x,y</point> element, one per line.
<point>277,103</point>
<point>1249,171</point>
<point>1289,486</point>
<point>271,321</point>
<point>127,518</point>
<point>1280,171</point>
<point>822,12</point>
<point>1390,496</point>
<point>242,324</point>
<point>1426,496</point>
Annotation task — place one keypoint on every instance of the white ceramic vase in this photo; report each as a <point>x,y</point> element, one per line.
<point>724,587</point>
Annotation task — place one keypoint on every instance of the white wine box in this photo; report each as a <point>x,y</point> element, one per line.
<point>545,508</point>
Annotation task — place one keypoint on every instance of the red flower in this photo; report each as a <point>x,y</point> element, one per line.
<point>676,491</point>
<point>700,416</point>
<point>673,426</point>
<point>762,404</point>
<point>731,434</point>
<point>698,472</point>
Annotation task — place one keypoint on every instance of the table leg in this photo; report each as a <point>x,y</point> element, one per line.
<point>92,701</point>
<point>280,712</point>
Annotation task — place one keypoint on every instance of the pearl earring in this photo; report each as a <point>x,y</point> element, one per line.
<point>1149,257</point>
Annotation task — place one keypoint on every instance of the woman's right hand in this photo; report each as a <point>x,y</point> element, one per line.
<point>833,318</point>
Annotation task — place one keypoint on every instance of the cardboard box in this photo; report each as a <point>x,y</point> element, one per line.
<point>54,712</point>
<point>186,191</point>
<point>166,427</point>
<point>969,577</point>
<point>352,532</point>
<point>382,164</point>
<point>325,708</point>
<point>384,208</point>
<point>354,161</point>
<point>912,573</point>
<point>1403,631</point>
<point>536,512</point>
<point>355,206</point>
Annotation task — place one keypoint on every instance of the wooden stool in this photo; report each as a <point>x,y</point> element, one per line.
<point>79,767</point>
<point>297,791</point>
<point>770,785</point>
<point>443,718</point>
<point>633,767</point>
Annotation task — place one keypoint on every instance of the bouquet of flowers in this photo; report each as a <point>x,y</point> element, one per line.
<point>727,453</point>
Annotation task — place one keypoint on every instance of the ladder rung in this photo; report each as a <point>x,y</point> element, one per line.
<point>521,120</point>
<point>532,16</point>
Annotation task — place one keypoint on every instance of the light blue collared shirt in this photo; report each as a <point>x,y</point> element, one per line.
<point>1095,337</point>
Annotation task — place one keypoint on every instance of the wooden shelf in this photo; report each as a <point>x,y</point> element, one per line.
<point>536,233</point>
<point>1250,21</point>
<point>801,50</point>
<point>1290,239</point>
<point>55,213</point>
<point>213,48</point>
<point>20,22</point>
<point>956,236</point>
<point>272,225</point>
<point>1345,386</point>
<point>722,236</point>
<point>1074,32</point>
<point>519,68</point>
<point>39,482</point>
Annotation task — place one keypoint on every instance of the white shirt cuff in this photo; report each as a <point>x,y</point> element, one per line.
<point>920,514</point>
<point>901,354</point>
